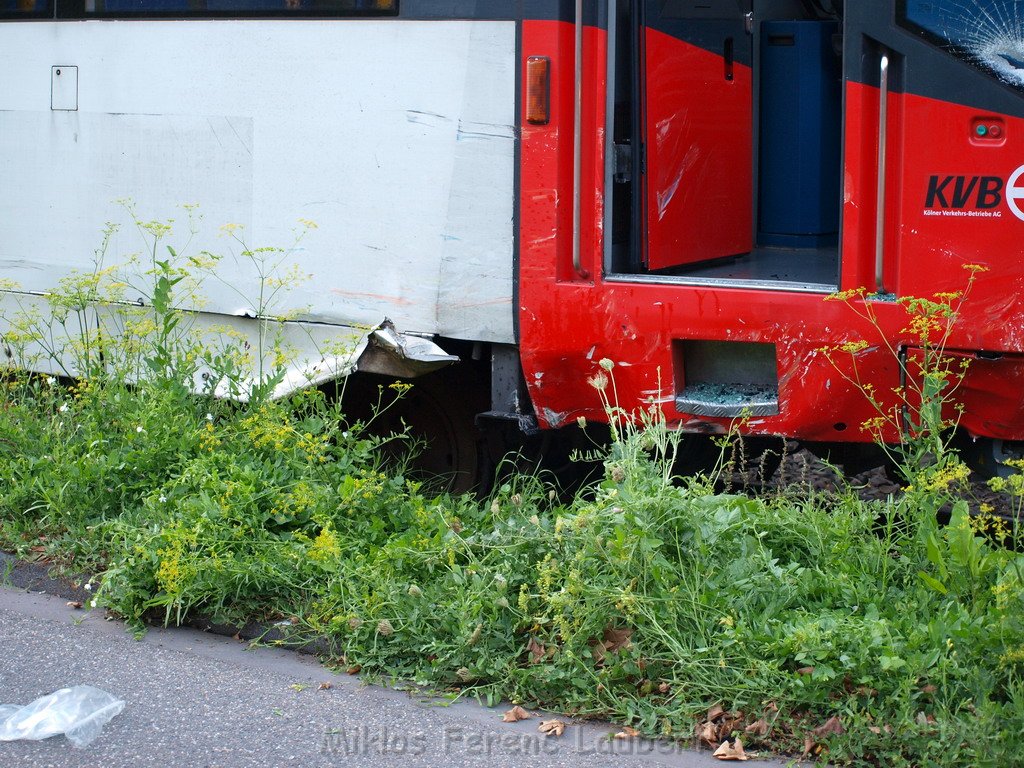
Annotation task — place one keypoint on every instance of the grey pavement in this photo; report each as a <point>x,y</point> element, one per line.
<point>198,699</point>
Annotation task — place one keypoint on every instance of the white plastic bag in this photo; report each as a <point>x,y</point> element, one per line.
<point>79,713</point>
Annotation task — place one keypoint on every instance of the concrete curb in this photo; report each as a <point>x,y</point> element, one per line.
<point>40,577</point>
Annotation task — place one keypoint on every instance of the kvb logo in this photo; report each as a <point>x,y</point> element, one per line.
<point>957,191</point>
<point>1015,193</point>
<point>975,195</point>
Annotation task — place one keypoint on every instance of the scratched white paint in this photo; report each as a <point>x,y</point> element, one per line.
<point>397,138</point>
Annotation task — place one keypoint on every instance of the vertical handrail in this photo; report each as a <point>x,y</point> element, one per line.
<point>609,139</point>
<point>883,131</point>
<point>577,145</point>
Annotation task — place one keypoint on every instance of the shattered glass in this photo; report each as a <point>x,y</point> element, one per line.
<point>989,33</point>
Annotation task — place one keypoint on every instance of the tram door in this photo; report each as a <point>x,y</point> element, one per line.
<point>696,61</point>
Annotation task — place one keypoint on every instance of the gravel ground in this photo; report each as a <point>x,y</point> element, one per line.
<point>801,470</point>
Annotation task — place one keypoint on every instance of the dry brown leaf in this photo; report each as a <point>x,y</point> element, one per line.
<point>708,733</point>
<point>325,686</point>
<point>515,714</point>
<point>732,751</point>
<point>831,727</point>
<point>715,712</point>
<point>551,727</point>
<point>616,638</point>
<point>627,733</point>
<point>537,651</point>
<point>929,689</point>
<point>805,671</point>
<point>811,747</point>
<point>758,728</point>
<point>75,604</point>
<point>664,688</point>
<point>355,669</point>
<point>612,640</point>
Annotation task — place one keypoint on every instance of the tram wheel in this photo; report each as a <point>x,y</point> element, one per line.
<point>437,412</point>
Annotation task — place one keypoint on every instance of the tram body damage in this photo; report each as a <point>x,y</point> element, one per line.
<point>535,187</point>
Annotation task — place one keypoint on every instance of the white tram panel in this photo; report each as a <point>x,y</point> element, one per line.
<point>395,137</point>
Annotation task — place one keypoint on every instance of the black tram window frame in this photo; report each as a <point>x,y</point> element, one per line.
<point>45,13</point>
<point>72,10</point>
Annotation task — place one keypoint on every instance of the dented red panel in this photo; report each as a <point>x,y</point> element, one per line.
<point>699,154</point>
<point>570,323</point>
<point>546,176</point>
<point>988,400</point>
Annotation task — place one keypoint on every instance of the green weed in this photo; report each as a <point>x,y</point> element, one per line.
<point>854,632</point>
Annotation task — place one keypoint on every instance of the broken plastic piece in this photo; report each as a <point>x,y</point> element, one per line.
<point>79,713</point>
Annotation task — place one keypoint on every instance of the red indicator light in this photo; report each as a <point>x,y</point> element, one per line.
<point>994,131</point>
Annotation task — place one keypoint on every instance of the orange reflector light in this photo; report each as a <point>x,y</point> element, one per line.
<point>538,90</point>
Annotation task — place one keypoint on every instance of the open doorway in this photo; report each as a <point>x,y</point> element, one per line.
<point>727,122</point>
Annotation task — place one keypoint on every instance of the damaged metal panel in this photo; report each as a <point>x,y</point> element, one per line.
<point>33,337</point>
<point>318,354</point>
<point>726,379</point>
<point>474,298</point>
<point>395,138</point>
<point>312,353</point>
<point>390,353</point>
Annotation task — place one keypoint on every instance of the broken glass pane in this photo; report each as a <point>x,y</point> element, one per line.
<point>989,33</point>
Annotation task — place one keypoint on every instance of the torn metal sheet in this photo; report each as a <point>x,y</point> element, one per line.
<point>394,354</point>
<point>377,349</point>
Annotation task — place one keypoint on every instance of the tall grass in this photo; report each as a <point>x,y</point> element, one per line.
<point>857,632</point>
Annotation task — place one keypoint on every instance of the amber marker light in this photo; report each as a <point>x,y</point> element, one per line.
<point>538,90</point>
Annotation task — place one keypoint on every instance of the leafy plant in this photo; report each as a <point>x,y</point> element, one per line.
<point>861,633</point>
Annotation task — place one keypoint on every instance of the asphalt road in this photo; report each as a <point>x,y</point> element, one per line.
<point>197,699</point>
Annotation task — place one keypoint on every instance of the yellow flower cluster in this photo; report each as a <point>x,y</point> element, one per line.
<point>266,431</point>
<point>173,571</point>
<point>314,447</point>
<point>987,524</point>
<point>1012,656</point>
<point>208,439</point>
<point>325,547</point>
<point>952,475</point>
<point>299,499</point>
<point>367,487</point>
